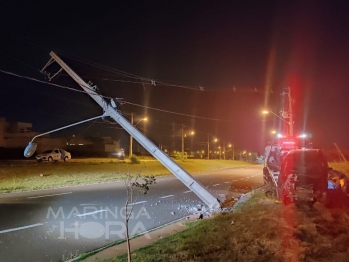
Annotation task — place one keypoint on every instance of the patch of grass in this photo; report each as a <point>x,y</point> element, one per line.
<point>262,230</point>
<point>30,175</point>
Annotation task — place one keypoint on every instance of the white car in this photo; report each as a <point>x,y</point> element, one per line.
<point>54,155</point>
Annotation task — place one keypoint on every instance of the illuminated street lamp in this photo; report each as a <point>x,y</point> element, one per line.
<point>131,138</point>
<point>184,136</point>
<point>229,145</point>
<point>208,145</point>
<point>290,123</point>
<point>224,150</point>
<point>243,154</point>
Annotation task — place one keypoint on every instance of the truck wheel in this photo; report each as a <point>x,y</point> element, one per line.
<point>50,159</point>
<point>65,159</point>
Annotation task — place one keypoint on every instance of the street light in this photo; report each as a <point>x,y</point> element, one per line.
<point>290,123</point>
<point>243,154</point>
<point>131,138</point>
<point>208,145</point>
<point>183,136</point>
<point>31,147</point>
<point>229,145</point>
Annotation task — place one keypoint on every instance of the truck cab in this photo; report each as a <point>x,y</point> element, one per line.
<point>294,172</point>
<point>303,176</point>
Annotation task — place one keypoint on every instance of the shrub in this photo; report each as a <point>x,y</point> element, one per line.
<point>134,160</point>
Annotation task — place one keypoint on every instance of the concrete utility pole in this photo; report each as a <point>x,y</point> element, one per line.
<point>131,139</point>
<point>290,111</point>
<point>110,109</point>
<point>233,152</point>
<point>182,135</point>
<point>208,146</point>
<point>173,139</point>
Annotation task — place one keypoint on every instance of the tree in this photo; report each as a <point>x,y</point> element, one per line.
<point>131,183</point>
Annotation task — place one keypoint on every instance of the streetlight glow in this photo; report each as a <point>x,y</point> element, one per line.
<point>289,123</point>
<point>131,138</point>
<point>184,136</point>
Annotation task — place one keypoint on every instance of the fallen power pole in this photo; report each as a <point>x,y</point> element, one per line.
<point>110,109</point>
<point>340,153</point>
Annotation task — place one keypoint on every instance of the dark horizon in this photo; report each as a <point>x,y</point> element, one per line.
<point>216,67</point>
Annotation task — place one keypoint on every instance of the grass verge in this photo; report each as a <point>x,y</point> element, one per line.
<point>30,175</point>
<point>260,229</point>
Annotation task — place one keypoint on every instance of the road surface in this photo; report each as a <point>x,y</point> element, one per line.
<point>55,224</point>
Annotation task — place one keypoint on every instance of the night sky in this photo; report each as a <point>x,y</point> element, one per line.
<point>241,53</point>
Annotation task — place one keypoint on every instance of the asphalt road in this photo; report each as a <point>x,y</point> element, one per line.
<point>54,224</point>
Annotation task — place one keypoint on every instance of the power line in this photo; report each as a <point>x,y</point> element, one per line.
<point>143,80</point>
<point>125,102</point>
<point>16,59</point>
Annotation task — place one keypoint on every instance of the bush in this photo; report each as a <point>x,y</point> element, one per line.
<point>134,160</point>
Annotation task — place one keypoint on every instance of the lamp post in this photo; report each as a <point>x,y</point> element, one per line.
<point>131,138</point>
<point>289,123</point>
<point>183,136</point>
<point>233,150</point>
<point>244,154</point>
<point>229,145</point>
<point>208,145</point>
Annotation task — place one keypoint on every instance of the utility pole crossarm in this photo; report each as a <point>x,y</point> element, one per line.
<point>172,166</point>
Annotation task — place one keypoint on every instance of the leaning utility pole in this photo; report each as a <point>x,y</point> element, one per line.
<point>340,153</point>
<point>290,111</point>
<point>110,107</point>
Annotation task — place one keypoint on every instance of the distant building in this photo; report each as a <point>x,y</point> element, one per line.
<point>17,135</point>
<point>98,146</point>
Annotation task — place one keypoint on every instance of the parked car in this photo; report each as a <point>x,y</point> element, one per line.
<point>54,155</point>
<point>303,176</point>
<point>120,154</point>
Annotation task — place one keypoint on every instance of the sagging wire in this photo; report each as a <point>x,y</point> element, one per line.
<point>118,103</point>
<point>143,80</point>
